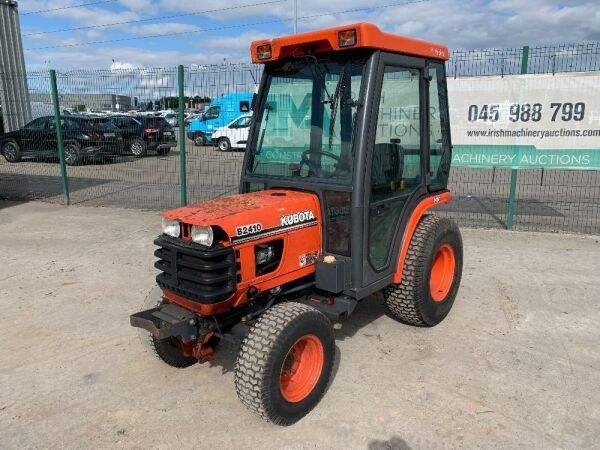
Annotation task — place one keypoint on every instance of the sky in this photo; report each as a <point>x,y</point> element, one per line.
<point>216,31</point>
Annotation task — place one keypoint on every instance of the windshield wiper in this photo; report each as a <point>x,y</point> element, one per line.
<point>334,104</point>
<point>316,70</point>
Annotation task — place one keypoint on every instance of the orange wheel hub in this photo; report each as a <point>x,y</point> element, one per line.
<point>442,273</point>
<point>301,368</point>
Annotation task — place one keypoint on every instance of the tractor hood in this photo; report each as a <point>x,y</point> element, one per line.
<point>254,215</point>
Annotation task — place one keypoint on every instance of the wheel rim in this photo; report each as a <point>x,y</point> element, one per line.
<point>301,368</point>
<point>199,140</point>
<point>70,154</point>
<point>223,146</point>
<point>136,148</point>
<point>442,273</point>
<point>10,151</point>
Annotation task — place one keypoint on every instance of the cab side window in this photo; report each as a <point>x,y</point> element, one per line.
<point>439,128</point>
<point>396,163</point>
<point>244,122</point>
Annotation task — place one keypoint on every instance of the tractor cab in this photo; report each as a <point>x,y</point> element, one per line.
<point>360,118</point>
<point>348,149</point>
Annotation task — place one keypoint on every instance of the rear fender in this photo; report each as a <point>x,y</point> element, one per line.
<point>421,208</point>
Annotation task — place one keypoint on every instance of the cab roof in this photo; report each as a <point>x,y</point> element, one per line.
<point>367,36</point>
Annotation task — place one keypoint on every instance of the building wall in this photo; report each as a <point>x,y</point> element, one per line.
<point>14,95</point>
<point>89,102</point>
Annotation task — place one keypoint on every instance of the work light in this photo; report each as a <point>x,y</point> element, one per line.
<point>263,51</point>
<point>347,38</point>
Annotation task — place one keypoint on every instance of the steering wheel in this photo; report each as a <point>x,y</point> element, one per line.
<point>311,164</point>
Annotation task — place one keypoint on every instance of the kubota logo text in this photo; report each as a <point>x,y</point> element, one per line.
<point>296,218</point>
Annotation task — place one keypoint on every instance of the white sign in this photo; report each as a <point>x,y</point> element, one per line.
<point>526,120</point>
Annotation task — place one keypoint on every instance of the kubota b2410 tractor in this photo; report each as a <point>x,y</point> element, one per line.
<point>348,150</point>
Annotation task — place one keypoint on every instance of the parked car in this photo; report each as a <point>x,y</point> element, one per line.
<point>171,118</point>
<point>143,133</point>
<point>234,134</point>
<point>219,113</point>
<point>83,137</point>
<point>191,117</point>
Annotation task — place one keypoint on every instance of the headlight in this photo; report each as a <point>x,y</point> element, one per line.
<point>202,235</point>
<point>171,227</point>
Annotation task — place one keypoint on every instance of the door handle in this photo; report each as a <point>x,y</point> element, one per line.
<point>377,210</point>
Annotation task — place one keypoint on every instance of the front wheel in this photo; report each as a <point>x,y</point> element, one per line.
<point>285,363</point>
<point>224,145</point>
<point>170,351</point>
<point>430,276</point>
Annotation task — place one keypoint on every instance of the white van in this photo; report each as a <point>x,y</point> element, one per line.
<point>234,134</point>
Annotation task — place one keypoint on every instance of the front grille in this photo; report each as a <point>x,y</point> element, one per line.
<point>207,275</point>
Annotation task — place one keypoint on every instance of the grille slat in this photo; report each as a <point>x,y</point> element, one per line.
<point>195,272</point>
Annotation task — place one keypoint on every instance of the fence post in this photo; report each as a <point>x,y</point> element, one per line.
<point>181,123</point>
<point>59,139</point>
<point>514,172</point>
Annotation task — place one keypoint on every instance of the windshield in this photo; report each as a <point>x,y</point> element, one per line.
<point>306,127</point>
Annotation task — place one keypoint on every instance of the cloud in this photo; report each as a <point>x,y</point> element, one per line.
<point>126,57</point>
<point>455,23</point>
<point>231,44</point>
<point>163,28</point>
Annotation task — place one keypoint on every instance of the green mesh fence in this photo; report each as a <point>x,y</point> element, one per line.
<point>121,133</point>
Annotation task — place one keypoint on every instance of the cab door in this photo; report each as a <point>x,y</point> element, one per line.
<point>241,132</point>
<point>33,136</point>
<point>395,178</point>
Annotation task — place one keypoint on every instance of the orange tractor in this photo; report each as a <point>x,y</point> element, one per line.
<point>348,150</point>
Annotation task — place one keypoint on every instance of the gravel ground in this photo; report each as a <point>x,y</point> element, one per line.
<point>515,364</point>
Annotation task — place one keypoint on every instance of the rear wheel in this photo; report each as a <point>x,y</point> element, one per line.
<point>431,274</point>
<point>137,147</point>
<point>200,139</point>
<point>285,363</point>
<point>11,151</point>
<point>73,153</point>
<point>224,145</point>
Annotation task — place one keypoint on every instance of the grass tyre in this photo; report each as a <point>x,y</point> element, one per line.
<point>73,155</point>
<point>137,147</point>
<point>11,151</point>
<point>166,350</point>
<point>224,145</point>
<point>285,363</point>
<point>431,274</point>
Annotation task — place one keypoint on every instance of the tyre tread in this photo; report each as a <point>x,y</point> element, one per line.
<point>252,364</point>
<point>404,299</point>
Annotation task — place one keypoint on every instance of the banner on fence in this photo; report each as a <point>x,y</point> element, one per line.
<point>526,121</point>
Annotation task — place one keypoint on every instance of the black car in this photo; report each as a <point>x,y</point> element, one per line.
<point>83,137</point>
<point>143,133</point>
